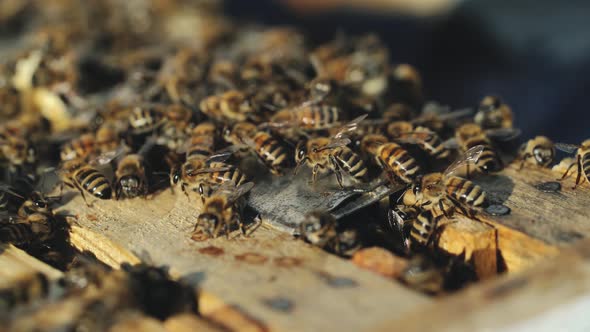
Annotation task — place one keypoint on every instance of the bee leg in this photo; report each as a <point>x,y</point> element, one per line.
<point>567,171</point>
<point>467,175</point>
<point>314,173</point>
<point>183,188</point>
<point>434,230</point>
<point>442,209</point>
<point>257,223</point>
<point>83,196</point>
<point>337,170</point>
<point>579,172</point>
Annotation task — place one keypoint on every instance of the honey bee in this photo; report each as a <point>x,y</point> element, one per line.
<point>222,210</point>
<point>401,218</point>
<point>307,117</point>
<point>406,84</point>
<point>269,150</point>
<point>582,160</point>
<point>232,106</point>
<point>200,176</point>
<point>493,114</point>
<point>78,148</point>
<point>320,229</point>
<point>37,227</point>
<point>146,118</point>
<point>173,135</point>
<point>471,135</point>
<point>130,177</point>
<point>10,99</point>
<point>538,151</point>
<point>107,138</point>
<point>445,192</point>
<point>395,160</point>
<point>428,141</point>
<point>85,178</point>
<point>331,154</point>
<point>24,291</point>
<point>19,152</point>
<point>36,203</point>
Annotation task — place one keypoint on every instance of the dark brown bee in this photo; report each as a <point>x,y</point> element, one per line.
<point>538,151</point>
<point>428,141</point>
<point>37,203</point>
<point>494,114</point>
<point>471,135</point>
<point>331,154</point>
<point>24,291</point>
<point>78,148</point>
<point>582,160</point>
<point>130,177</point>
<point>445,192</point>
<point>222,210</point>
<point>35,228</point>
<point>85,178</point>
<point>320,229</point>
<point>269,150</point>
<point>395,160</point>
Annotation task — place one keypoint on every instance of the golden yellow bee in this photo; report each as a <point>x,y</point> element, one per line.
<point>582,160</point>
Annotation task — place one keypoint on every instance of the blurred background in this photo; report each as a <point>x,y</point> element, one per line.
<point>535,54</point>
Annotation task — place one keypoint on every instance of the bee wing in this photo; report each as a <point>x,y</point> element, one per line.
<point>351,126</point>
<point>568,148</point>
<point>335,144</point>
<point>414,137</point>
<point>213,170</point>
<point>503,134</point>
<point>106,157</point>
<point>240,191</point>
<point>222,155</point>
<point>471,156</point>
<point>394,219</point>
<point>456,114</point>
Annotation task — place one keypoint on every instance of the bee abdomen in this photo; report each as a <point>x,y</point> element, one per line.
<point>400,162</point>
<point>352,163</point>
<point>17,234</point>
<point>423,228</point>
<point>94,182</point>
<point>586,165</point>
<point>434,146</point>
<point>465,192</point>
<point>270,150</point>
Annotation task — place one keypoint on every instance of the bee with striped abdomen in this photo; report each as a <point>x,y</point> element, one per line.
<point>582,160</point>
<point>537,151</point>
<point>269,150</point>
<point>332,154</point>
<point>427,140</point>
<point>24,291</point>
<point>36,227</point>
<point>78,148</point>
<point>445,192</point>
<point>308,116</point>
<point>230,106</point>
<point>471,135</point>
<point>130,177</point>
<point>146,118</point>
<point>85,178</point>
<point>392,158</point>
<point>223,210</point>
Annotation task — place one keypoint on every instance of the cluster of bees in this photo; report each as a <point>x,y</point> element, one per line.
<point>116,115</point>
<point>95,298</point>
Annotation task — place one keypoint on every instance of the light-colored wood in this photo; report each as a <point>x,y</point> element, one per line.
<point>476,240</point>
<point>534,298</point>
<point>139,324</point>
<point>272,280</point>
<point>15,264</point>
<point>188,323</point>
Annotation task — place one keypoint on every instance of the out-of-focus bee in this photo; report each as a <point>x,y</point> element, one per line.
<point>320,229</point>
<point>201,176</point>
<point>130,177</point>
<point>223,73</point>
<point>438,117</point>
<point>268,149</point>
<point>25,291</point>
<point>401,219</point>
<point>582,160</point>
<point>9,198</point>
<point>78,148</point>
<point>390,156</point>
<point>36,203</point>
<point>223,210</point>
<point>10,101</point>
<point>425,274</point>
<point>146,118</point>
<point>19,152</point>
<point>85,178</point>
<point>471,135</point>
<point>230,106</point>
<point>107,138</point>
<point>538,151</point>
<point>173,135</point>
<point>493,114</point>
<point>37,227</point>
<point>445,192</point>
<point>323,154</point>
<point>308,116</point>
<point>428,141</point>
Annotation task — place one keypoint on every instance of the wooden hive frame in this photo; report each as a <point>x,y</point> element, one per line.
<point>271,281</point>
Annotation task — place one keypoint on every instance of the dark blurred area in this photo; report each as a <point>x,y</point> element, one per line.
<point>533,54</point>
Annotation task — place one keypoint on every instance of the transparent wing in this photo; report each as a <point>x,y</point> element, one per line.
<point>503,134</point>
<point>460,113</point>
<point>349,127</point>
<point>335,144</point>
<point>106,157</point>
<point>469,157</point>
<point>231,192</point>
<point>569,148</point>
<point>222,155</point>
<point>8,189</point>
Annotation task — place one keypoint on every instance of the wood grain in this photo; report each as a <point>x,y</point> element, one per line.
<point>273,281</point>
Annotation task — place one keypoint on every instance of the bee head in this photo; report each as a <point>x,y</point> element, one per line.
<point>543,155</point>
<point>315,226</point>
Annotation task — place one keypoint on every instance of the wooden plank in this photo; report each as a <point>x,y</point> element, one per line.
<point>546,293</point>
<point>274,281</point>
<point>15,264</point>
